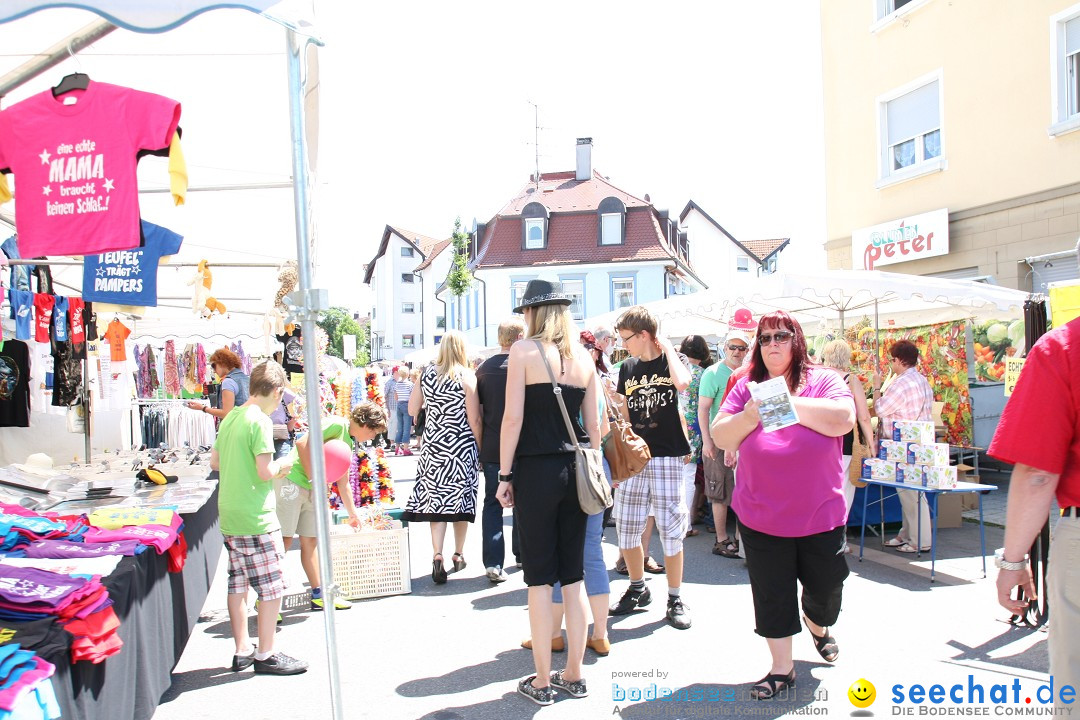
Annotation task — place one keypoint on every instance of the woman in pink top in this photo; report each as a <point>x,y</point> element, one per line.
<point>789,496</point>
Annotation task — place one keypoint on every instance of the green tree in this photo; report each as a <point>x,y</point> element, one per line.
<point>460,279</point>
<point>337,322</point>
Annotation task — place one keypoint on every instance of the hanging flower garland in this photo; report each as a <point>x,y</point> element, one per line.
<point>371,482</point>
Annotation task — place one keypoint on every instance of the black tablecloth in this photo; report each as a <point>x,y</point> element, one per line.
<point>157,612</point>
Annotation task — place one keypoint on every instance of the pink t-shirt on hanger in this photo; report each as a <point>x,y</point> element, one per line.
<point>74,164</point>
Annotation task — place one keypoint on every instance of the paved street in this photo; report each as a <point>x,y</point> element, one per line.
<point>449,652</point>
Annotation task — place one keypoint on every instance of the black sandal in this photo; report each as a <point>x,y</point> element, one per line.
<point>770,686</point>
<point>459,562</point>
<point>826,645</point>
<point>438,570</point>
<point>728,547</point>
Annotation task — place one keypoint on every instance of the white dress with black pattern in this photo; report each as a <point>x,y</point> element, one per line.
<point>446,476</point>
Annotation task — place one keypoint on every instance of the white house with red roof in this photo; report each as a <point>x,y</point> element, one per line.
<point>723,259</point>
<point>610,250</point>
<point>403,276</point>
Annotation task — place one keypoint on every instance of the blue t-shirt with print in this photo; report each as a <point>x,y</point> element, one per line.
<point>129,277</point>
<point>60,319</point>
<point>22,312</point>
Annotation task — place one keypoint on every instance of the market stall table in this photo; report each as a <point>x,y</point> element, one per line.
<point>961,487</point>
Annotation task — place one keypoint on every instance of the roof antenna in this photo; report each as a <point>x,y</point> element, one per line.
<point>536,140</point>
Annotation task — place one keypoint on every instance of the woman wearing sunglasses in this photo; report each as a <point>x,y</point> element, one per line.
<point>789,496</point>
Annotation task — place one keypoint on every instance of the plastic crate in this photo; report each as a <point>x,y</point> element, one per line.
<point>372,563</point>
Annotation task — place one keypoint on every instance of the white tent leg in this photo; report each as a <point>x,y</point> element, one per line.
<point>311,301</point>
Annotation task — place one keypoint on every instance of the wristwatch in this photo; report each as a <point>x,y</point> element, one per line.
<point>1002,564</point>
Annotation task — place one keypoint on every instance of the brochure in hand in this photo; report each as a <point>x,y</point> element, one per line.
<point>776,408</point>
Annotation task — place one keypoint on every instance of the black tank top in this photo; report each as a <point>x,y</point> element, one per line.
<point>543,430</point>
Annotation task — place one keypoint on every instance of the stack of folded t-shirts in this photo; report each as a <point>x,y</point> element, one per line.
<point>25,689</point>
<point>65,549</point>
<point>18,531</point>
<point>162,529</point>
<point>82,606</point>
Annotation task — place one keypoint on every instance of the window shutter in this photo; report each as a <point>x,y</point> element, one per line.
<point>1072,36</point>
<point>913,114</point>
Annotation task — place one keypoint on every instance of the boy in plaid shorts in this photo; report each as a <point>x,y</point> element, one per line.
<point>243,453</point>
<point>651,380</point>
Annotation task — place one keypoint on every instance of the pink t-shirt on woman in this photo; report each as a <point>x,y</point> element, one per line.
<point>790,482</point>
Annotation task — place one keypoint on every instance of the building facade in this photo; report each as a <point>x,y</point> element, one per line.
<point>610,250</point>
<point>722,260</point>
<point>951,137</point>
<point>403,276</point>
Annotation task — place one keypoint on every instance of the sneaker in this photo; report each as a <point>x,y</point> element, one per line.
<point>339,603</point>
<point>280,664</point>
<point>678,615</point>
<point>631,601</point>
<point>495,575</point>
<point>243,662</point>
<point>574,688</point>
<point>540,696</point>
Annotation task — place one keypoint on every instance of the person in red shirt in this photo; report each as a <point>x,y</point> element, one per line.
<point>1039,433</point>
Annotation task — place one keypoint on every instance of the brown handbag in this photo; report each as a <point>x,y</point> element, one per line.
<point>626,453</point>
<point>859,452</point>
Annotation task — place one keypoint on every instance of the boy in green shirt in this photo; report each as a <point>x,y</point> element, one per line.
<point>243,454</point>
<point>295,506</point>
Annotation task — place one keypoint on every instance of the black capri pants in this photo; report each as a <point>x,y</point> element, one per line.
<point>549,521</point>
<point>776,564</point>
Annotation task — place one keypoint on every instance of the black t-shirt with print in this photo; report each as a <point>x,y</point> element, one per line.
<point>293,357</point>
<point>14,384</point>
<point>653,404</point>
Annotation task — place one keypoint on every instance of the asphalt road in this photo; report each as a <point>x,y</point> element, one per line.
<point>452,652</point>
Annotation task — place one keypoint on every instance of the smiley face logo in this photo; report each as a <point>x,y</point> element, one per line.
<point>862,693</point>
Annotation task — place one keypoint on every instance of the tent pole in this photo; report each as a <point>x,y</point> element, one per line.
<point>54,55</point>
<point>877,339</point>
<point>308,303</point>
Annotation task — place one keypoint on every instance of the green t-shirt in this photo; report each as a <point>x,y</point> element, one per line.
<point>335,428</point>
<point>245,501</point>
<point>713,382</point>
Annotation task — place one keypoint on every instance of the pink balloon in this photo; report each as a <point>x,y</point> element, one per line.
<point>336,457</point>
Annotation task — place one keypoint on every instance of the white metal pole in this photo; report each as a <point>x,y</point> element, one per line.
<point>309,302</point>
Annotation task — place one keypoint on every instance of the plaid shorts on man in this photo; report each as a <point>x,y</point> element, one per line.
<point>658,491</point>
<point>256,560</point>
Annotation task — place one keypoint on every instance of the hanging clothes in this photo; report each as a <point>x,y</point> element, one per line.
<point>67,375</point>
<point>200,364</point>
<point>172,372</point>
<point>151,365</point>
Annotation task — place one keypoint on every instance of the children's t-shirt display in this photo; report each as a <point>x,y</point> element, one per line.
<point>14,384</point>
<point>22,312</point>
<point>129,277</point>
<point>75,313</point>
<point>43,309</point>
<point>60,319</point>
<point>115,335</point>
<point>80,149</point>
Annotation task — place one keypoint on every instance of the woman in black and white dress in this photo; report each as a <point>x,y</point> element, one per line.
<point>446,476</point>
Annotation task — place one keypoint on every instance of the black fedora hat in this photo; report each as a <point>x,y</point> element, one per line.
<point>542,292</point>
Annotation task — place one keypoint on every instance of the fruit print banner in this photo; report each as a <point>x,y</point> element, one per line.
<point>994,341</point>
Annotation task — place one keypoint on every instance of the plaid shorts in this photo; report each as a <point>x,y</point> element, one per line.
<point>256,560</point>
<point>658,491</point>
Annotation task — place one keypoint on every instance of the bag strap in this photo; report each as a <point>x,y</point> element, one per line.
<point>558,393</point>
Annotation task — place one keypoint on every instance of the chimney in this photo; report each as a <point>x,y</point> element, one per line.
<point>584,159</point>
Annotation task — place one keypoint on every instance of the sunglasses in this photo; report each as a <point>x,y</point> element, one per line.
<point>781,337</point>
<point>738,348</point>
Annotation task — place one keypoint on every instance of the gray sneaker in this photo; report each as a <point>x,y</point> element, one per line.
<point>280,664</point>
<point>574,688</point>
<point>540,696</point>
<point>495,575</point>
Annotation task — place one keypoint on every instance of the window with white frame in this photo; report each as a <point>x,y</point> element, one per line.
<point>406,251</point>
<point>517,292</point>
<point>622,292</point>
<point>611,229</point>
<point>575,288</point>
<point>408,341</point>
<point>408,278</point>
<point>888,7</point>
<point>534,234</point>
<point>1065,42</point>
<point>408,308</point>
<point>742,264</point>
<point>911,132</point>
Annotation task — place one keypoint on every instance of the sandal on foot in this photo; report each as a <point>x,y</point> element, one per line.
<point>651,566</point>
<point>620,567</point>
<point>438,570</point>
<point>770,686</point>
<point>908,548</point>
<point>825,644</point>
<point>459,562</point>
<point>895,542</point>
<point>727,547</point>
<point>540,696</point>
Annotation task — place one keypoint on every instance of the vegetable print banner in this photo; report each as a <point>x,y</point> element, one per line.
<point>942,361</point>
<point>996,340</point>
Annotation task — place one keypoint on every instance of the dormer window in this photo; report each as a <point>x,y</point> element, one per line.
<point>534,226</point>
<point>612,214</point>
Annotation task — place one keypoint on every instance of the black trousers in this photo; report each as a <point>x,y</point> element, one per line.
<point>778,564</point>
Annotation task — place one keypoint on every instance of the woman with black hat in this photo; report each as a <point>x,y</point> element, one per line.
<point>535,442</point>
